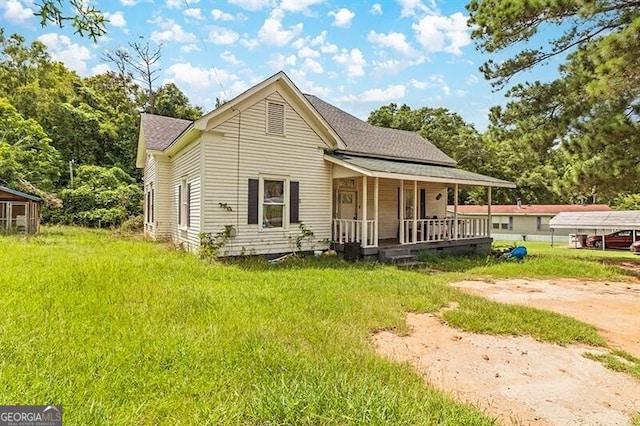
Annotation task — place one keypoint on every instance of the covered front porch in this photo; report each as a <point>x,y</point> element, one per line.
<point>380,207</point>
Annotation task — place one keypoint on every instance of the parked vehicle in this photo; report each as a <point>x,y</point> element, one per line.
<point>619,239</point>
<point>635,247</point>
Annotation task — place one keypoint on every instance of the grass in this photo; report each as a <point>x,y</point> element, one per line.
<point>618,360</point>
<point>123,331</point>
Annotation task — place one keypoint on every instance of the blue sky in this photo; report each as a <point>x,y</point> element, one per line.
<point>358,55</point>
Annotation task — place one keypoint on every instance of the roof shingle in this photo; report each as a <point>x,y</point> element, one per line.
<point>364,138</point>
<point>160,131</point>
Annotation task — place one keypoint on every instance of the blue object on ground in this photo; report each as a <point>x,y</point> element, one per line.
<point>517,253</point>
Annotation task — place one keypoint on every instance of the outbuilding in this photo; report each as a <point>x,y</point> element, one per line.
<point>19,211</point>
<point>596,222</point>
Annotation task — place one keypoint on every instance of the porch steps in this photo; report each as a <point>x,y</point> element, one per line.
<point>400,257</point>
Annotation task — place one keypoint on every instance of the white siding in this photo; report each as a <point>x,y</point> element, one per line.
<point>239,150</point>
<point>185,166</point>
<point>388,203</point>
<point>163,200</point>
<point>149,180</point>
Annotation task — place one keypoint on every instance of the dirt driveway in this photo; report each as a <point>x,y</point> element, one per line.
<point>518,380</point>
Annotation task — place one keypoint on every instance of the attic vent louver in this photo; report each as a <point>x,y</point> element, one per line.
<point>275,118</point>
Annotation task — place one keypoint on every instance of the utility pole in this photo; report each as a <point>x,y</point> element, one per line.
<point>71,172</point>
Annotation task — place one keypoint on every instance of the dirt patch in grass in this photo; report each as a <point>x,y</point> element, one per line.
<point>612,307</point>
<point>518,380</point>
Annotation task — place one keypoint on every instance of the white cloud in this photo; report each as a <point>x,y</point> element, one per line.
<point>342,18</point>
<point>15,12</point>
<point>198,79</point>
<point>116,19</point>
<point>472,79</point>
<point>252,5</point>
<point>100,69</point>
<point>409,7</point>
<point>298,5</point>
<point>308,86</point>
<point>61,49</point>
<point>174,4</point>
<point>188,48</point>
<point>128,2</point>
<point>443,34</point>
<point>391,93</point>
<point>230,58</point>
<point>318,41</point>
<point>172,32</point>
<point>195,13</point>
<point>220,35</point>
<point>352,61</point>
<point>376,9</point>
<point>416,84</point>
<point>249,43</point>
<point>395,41</point>
<point>312,66</point>
<point>272,32</point>
<point>438,80</point>
<point>307,52</point>
<point>280,61</point>
<point>393,66</point>
<point>219,15</point>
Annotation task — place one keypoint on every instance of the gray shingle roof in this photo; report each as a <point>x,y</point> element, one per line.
<point>449,174</point>
<point>364,138</point>
<point>160,131</point>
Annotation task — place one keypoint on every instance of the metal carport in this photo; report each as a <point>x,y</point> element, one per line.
<point>598,221</point>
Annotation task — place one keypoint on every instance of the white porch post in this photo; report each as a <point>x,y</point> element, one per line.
<point>364,211</point>
<point>455,213</point>
<point>414,236</point>
<point>332,207</point>
<point>401,234</point>
<point>489,223</point>
<point>375,213</point>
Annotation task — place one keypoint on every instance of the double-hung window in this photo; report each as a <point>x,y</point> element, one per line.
<point>273,202</point>
<point>150,217</point>
<point>184,204</point>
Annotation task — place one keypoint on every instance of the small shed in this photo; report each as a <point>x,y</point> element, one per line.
<point>598,222</point>
<point>19,211</point>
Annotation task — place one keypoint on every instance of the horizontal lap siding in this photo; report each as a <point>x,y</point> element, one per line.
<point>150,177</point>
<point>186,165</point>
<point>163,202</point>
<point>298,155</point>
<point>388,203</point>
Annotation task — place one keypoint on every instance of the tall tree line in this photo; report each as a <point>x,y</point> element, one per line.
<point>52,121</point>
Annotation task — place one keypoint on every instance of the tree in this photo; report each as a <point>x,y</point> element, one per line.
<point>589,114</point>
<point>445,129</point>
<point>27,158</point>
<point>83,16</point>
<point>101,197</point>
<point>170,101</point>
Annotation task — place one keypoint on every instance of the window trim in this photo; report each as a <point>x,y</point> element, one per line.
<point>286,181</point>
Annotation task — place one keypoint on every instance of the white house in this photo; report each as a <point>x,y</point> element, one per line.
<point>273,158</point>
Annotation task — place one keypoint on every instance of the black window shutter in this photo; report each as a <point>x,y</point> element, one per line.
<point>423,203</point>
<point>294,201</point>
<point>188,204</point>
<point>399,203</point>
<point>153,202</point>
<point>252,216</point>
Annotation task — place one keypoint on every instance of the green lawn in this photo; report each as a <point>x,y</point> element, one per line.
<point>124,331</point>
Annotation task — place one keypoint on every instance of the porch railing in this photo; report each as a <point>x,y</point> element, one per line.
<point>428,230</point>
<point>350,231</point>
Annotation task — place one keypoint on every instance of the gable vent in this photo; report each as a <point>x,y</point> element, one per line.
<point>275,118</point>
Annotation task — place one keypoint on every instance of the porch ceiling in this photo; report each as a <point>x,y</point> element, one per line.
<point>398,169</point>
